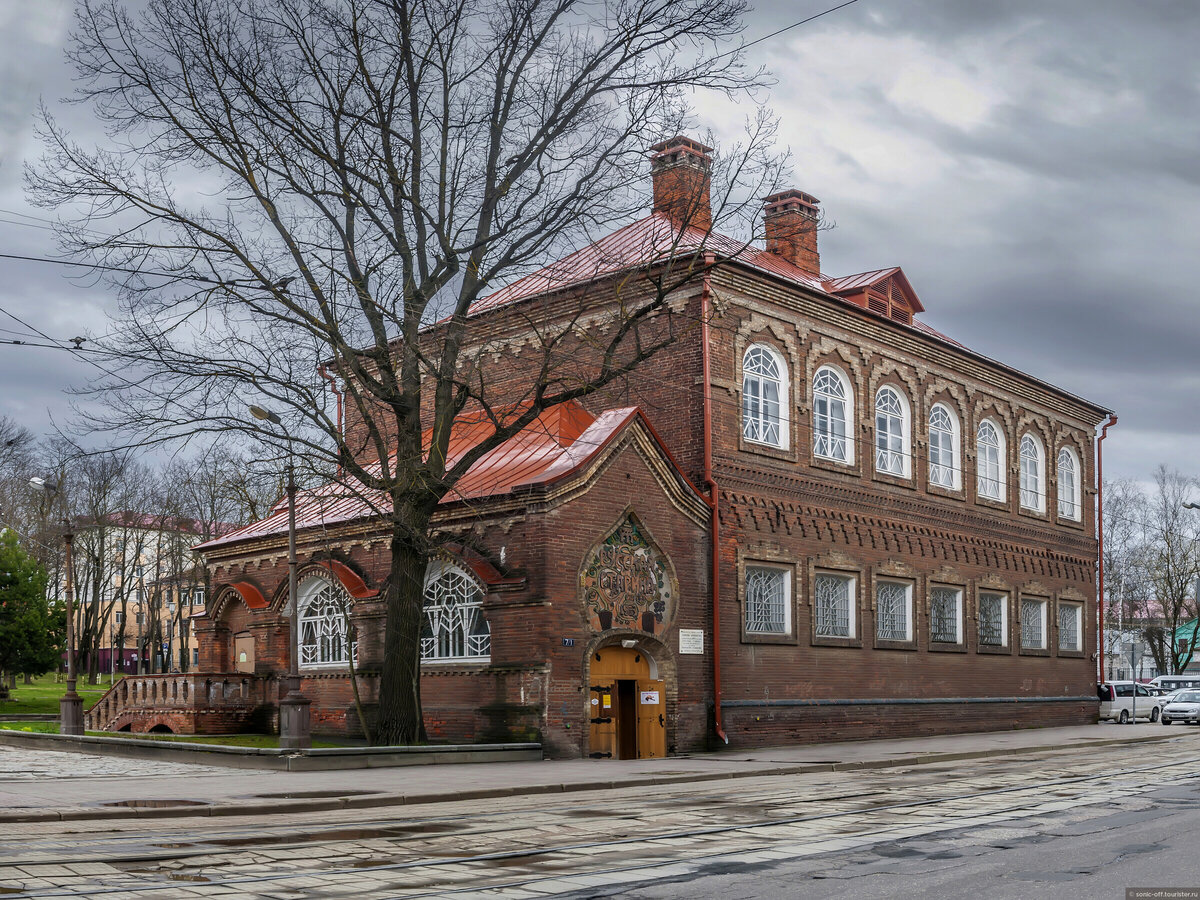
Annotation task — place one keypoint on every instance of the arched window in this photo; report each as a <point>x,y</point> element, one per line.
<point>324,615</point>
<point>943,448</point>
<point>1068,485</point>
<point>891,432</point>
<point>1033,474</point>
<point>989,463</point>
<point>832,412</point>
<point>764,397</point>
<point>454,625</point>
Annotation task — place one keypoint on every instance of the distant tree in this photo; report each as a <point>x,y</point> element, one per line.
<point>31,630</point>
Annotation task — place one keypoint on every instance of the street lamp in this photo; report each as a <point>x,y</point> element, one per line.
<point>70,707</point>
<point>295,727</point>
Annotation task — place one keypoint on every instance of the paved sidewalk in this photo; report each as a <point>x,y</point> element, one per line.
<point>52,786</point>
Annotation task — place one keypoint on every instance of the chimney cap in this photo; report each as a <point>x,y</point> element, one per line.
<point>680,142</point>
<point>789,199</point>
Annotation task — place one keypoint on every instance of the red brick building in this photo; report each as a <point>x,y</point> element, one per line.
<point>904,538</point>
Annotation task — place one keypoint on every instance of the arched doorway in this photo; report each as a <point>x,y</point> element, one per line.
<point>627,705</point>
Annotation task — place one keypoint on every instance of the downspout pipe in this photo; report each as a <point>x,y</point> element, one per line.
<point>1112,420</point>
<point>710,484</point>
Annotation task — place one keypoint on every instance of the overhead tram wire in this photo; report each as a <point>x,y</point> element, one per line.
<point>786,28</point>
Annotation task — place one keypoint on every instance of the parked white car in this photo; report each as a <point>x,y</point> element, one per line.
<point>1183,706</point>
<point>1116,701</point>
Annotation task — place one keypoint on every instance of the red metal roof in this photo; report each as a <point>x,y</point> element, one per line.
<point>553,446</point>
<point>657,238</point>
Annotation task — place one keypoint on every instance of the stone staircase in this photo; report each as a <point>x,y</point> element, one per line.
<point>195,703</point>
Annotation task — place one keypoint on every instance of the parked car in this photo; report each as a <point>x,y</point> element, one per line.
<point>1184,706</point>
<point>1175,682</point>
<point>1117,701</point>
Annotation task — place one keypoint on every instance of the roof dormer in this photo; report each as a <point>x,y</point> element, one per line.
<point>884,291</point>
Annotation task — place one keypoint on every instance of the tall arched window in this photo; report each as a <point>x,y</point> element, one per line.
<point>989,461</point>
<point>454,625</point>
<point>943,447</point>
<point>833,409</point>
<point>324,615</point>
<point>891,432</point>
<point>1068,485</point>
<point>764,397</point>
<point>1033,474</point>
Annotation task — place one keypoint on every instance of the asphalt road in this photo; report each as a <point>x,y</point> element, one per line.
<point>1080,823</point>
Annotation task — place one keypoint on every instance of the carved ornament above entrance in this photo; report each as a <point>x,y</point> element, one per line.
<point>627,582</point>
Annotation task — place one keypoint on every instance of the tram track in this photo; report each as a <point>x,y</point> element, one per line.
<point>209,846</point>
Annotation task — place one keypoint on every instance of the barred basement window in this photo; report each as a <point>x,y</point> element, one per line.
<point>945,606</point>
<point>454,626</point>
<point>1033,624</point>
<point>324,608</point>
<point>835,612</point>
<point>893,614</point>
<point>993,620</point>
<point>764,397</point>
<point>1069,615</point>
<point>767,601</point>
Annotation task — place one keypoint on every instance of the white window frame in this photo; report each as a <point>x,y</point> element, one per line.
<point>322,642</point>
<point>990,482</point>
<point>893,432</point>
<point>1069,505</point>
<point>1076,610</point>
<point>957,594</point>
<point>906,588</point>
<point>827,443</point>
<point>851,585</point>
<point>1004,600</point>
<point>760,426</point>
<point>1033,473</point>
<point>758,571</point>
<point>945,472</point>
<point>1043,605</point>
<point>448,628</point>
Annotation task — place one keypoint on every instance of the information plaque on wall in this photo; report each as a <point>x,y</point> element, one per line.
<point>691,640</point>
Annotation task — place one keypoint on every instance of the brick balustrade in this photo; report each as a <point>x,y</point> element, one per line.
<point>196,703</point>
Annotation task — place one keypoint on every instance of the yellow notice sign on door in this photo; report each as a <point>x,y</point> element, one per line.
<point>608,699</point>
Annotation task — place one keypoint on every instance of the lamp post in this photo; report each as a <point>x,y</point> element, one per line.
<point>295,726</point>
<point>70,707</point>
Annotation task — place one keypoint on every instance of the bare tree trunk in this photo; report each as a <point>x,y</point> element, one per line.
<point>400,719</point>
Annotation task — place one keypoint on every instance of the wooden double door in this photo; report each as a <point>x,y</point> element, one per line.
<point>626,706</point>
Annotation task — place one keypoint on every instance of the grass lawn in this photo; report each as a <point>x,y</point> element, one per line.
<point>43,695</point>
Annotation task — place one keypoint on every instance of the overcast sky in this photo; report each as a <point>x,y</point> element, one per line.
<point>1033,166</point>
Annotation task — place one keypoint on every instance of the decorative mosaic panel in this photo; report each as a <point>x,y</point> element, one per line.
<point>627,582</point>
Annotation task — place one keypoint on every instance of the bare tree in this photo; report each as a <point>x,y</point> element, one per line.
<point>302,182</point>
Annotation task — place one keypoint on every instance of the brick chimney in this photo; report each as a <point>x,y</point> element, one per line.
<point>680,171</point>
<point>790,220</point>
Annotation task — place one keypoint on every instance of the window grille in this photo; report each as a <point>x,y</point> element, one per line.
<point>762,397</point>
<point>1068,627</point>
<point>1068,485</point>
<point>324,608</point>
<point>830,419</point>
<point>1032,480</point>
<point>1032,624</point>
<point>891,611</point>
<point>991,475</point>
<point>833,605</point>
<point>766,601</point>
<point>890,428</point>
<point>991,619</point>
<point>943,615</point>
<point>454,625</point>
<point>943,452</point>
